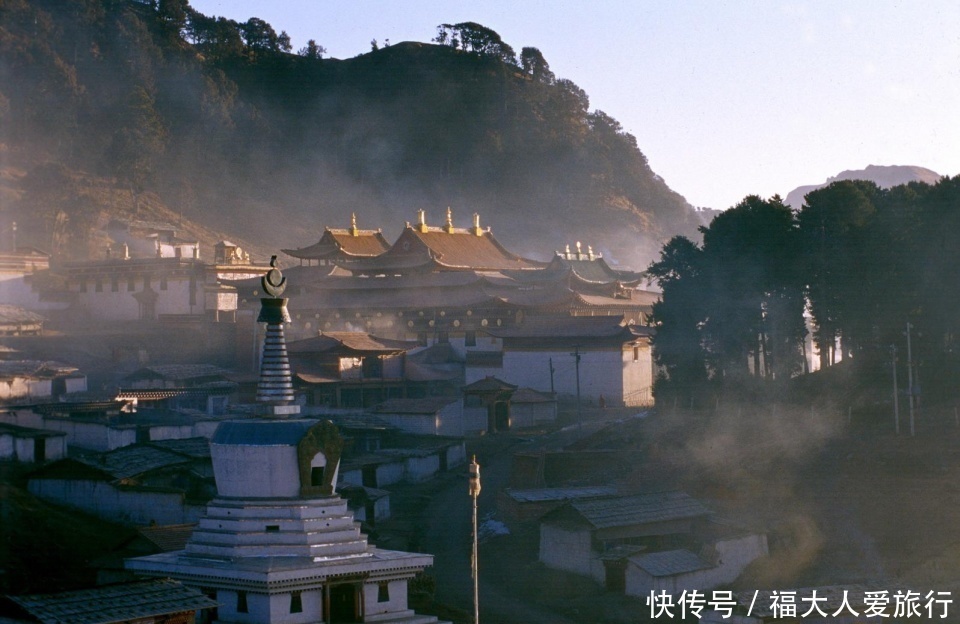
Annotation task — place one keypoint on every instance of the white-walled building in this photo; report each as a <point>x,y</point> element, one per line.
<point>442,416</point>
<point>614,359</point>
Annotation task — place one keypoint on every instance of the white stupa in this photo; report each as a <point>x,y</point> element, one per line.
<point>277,545</point>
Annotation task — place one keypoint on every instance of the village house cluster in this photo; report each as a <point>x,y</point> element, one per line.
<point>251,443</point>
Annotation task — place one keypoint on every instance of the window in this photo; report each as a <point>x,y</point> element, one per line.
<point>636,354</point>
<point>131,284</point>
<point>273,528</point>
<point>114,284</point>
<point>470,338</point>
<point>296,603</point>
<point>98,285</point>
<point>146,281</point>
<point>316,476</point>
<point>383,592</point>
<point>242,602</point>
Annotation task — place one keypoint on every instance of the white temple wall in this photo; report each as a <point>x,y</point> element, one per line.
<point>601,372</point>
<point>397,601</point>
<point>311,600</point>
<point>103,500</point>
<point>248,471</point>
<point>92,436</point>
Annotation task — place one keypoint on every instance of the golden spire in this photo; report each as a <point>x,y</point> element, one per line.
<point>449,226</point>
<point>476,224</point>
<point>353,224</point>
<point>422,220</point>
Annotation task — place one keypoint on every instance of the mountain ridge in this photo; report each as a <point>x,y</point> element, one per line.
<point>884,176</point>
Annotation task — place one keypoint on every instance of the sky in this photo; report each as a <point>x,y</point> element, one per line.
<point>726,99</point>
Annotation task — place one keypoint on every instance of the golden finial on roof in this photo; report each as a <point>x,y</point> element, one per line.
<point>566,253</point>
<point>353,224</point>
<point>476,224</point>
<point>449,226</point>
<point>590,251</point>
<point>422,220</point>
<point>578,250</point>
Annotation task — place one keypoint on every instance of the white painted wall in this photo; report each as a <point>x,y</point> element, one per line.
<point>570,550</point>
<point>398,598</point>
<point>419,469</point>
<point>8,450</point>
<point>103,500</point>
<point>92,436</point>
<point>121,305</point>
<point>54,448</point>
<point>532,414</point>
<point>248,471</point>
<point>601,372</point>
<point>17,388</point>
<point>312,601</point>
<point>474,421</point>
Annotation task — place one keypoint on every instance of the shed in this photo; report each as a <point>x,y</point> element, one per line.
<point>574,537</point>
<point>529,408</point>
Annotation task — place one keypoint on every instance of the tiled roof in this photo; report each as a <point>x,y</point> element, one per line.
<point>114,603</point>
<point>262,432</point>
<point>168,537</point>
<point>353,341</point>
<point>539,495</point>
<point>183,371</point>
<point>16,314</point>
<point>28,432</point>
<point>639,509</point>
<point>198,447</point>
<point>343,242</point>
<point>429,405</point>
<point>134,460</point>
<point>669,563</point>
<point>489,384</point>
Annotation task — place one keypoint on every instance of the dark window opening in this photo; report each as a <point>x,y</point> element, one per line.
<point>242,602</point>
<point>273,528</point>
<point>296,603</point>
<point>98,286</point>
<point>131,284</point>
<point>470,339</point>
<point>636,354</point>
<point>114,285</point>
<point>383,592</point>
<point>316,476</point>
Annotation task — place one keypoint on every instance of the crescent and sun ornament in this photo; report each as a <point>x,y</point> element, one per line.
<point>273,282</point>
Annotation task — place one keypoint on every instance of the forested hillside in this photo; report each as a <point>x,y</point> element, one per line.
<point>236,131</point>
<point>865,262</point>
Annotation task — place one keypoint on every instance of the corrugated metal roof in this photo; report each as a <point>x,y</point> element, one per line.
<point>639,509</point>
<point>669,563</point>
<point>114,603</point>
<point>539,495</point>
<point>262,432</point>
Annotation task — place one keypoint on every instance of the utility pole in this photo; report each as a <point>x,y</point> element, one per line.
<point>576,356</point>
<point>474,489</point>
<point>896,390</point>
<point>910,378</point>
<point>552,391</point>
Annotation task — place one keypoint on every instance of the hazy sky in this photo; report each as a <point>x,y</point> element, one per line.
<point>726,99</point>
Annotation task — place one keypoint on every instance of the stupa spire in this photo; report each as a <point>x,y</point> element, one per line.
<point>275,386</point>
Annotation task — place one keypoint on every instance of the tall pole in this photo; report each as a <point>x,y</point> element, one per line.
<point>896,390</point>
<point>576,356</point>
<point>910,378</point>
<point>552,391</point>
<point>474,489</point>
